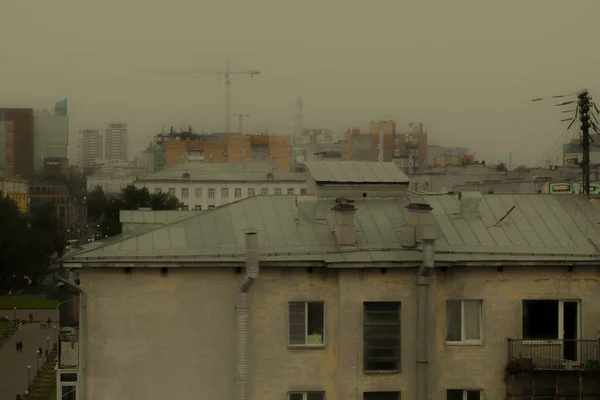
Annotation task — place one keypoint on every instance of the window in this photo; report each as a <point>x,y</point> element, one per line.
<point>306,323</point>
<point>551,319</point>
<point>238,193</point>
<point>251,192</point>
<point>171,191</point>
<point>264,192</point>
<point>184,193</point>
<point>277,192</point>
<point>224,192</point>
<point>197,208</point>
<point>290,191</point>
<point>211,193</point>
<point>157,191</point>
<point>306,396</point>
<point>463,321</point>
<point>381,396</point>
<point>381,337</point>
<point>199,192</point>
<point>459,394</point>
<point>211,207</point>
<point>302,191</point>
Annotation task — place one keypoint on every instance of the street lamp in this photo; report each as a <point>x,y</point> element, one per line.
<point>47,347</point>
<point>6,326</point>
<point>37,362</point>
<point>29,377</point>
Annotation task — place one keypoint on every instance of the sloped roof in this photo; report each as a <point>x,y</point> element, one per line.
<point>254,171</point>
<point>355,172</point>
<point>540,228</point>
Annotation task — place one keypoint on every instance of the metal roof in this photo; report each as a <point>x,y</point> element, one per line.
<point>541,228</point>
<point>155,217</point>
<point>355,172</point>
<point>254,171</point>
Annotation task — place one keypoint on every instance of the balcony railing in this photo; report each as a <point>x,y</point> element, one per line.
<point>529,355</point>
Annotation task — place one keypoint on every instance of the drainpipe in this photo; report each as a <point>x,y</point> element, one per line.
<point>427,233</point>
<point>82,336</point>
<point>241,306</point>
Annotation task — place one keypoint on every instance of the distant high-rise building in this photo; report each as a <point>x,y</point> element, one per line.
<point>90,147</point>
<point>51,138</point>
<point>115,143</point>
<point>16,141</point>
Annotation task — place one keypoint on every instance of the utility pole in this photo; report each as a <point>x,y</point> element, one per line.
<point>584,107</point>
<point>381,142</point>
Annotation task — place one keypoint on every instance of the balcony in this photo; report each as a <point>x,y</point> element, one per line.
<point>553,355</point>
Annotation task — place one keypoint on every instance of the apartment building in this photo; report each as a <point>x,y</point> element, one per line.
<point>16,189</point>
<point>56,194</point>
<point>91,144</point>
<point>115,143</point>
<point>424,297</point>
<point>189,147</point>
<point>17,139</point>
<point>206,186</point>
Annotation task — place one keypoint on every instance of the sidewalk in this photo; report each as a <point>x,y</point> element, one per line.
<point>13,365</point>
<point>38,315</point>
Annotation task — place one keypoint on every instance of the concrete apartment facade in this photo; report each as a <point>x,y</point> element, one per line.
<point>91,144</point>
<point>116,143</point>
<point>209,185</point>
<point>335,300</point>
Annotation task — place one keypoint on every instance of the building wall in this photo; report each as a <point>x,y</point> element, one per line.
<point>90,147</point>
<point>17,190</point>
<point>110,184</point>
<point>199,355</point>
<point>18,145</point>
<point>177,151</point>
<point>116,143</point>
<point>204,202</point>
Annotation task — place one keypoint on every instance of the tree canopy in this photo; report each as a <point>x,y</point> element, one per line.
<point>26,243</point>
<point>131,198</point>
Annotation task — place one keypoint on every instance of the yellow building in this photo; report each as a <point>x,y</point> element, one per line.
<point>17,190</point>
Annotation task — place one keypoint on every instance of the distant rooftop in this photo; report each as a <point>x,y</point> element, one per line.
<point>253,171</point>
<point>355,172</point>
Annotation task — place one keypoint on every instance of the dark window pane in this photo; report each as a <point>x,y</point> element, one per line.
<point>473,395</point>
<point>453,320</point>
<point>315,396</point>
<point>315,323</point>
<point>540,319</point>
<point>296,396</point>
<point>381,396</point>
<point>454,394</point>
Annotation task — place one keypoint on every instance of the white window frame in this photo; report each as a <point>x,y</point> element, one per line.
<point>198,192</point>
<point>305,394</point>
<point>185,193</point>
<point>225,193</point>
<point>306,344</point>
<point>251,192</point>
<point>264,191</point>
<point>277,191</point>
<point>171,191</point>
<point>212,193</point>
<point>464,393</point>
<point>462,340</point>
<point>237,193</point>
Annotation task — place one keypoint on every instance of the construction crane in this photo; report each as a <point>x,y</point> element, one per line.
<point>241,120</point>
<point>220,72</point>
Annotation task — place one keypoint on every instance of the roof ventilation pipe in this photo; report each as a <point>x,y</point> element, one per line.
<point>419,215</point>
<point>241,306</point>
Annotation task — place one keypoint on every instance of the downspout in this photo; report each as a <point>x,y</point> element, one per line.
<point>427,233</point>
<point>82,336</point>
<point>241,306</point>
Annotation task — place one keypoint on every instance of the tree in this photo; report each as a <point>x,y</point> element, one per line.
<point>501,167</point>
<point>27,242</point>
<point>522,169</point>
<point>133,198</point>
<point>96,203</point>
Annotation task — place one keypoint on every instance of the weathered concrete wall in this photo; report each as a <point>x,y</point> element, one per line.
<point>174,337</point>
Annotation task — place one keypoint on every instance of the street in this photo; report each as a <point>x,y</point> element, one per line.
<point>13,365</point>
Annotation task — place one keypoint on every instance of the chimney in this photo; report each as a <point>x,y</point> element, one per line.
<point>345,230</point>
<point>469,204</point>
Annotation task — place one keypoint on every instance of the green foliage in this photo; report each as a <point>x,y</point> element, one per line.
<point>132,198</point>
<point>26,243</point>
<point>9,303</point>
<point>96,203</point>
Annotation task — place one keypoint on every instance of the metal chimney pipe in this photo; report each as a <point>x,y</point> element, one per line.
<point>241,305</point>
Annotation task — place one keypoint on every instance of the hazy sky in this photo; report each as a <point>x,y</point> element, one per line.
<point>465,68</point>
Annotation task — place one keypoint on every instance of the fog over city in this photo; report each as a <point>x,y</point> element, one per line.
<point>466,69</point>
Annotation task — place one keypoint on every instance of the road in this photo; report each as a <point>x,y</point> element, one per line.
<point>13,365</point>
